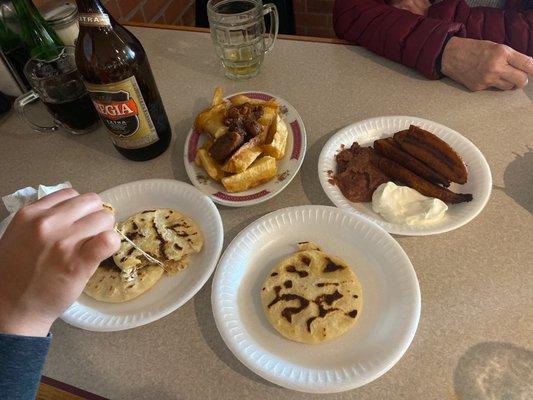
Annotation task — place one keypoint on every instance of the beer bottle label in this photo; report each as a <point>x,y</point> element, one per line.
<point>124,113</point>
<point>94,19</point>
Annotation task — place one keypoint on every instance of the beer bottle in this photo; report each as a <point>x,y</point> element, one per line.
<point>41,40</point>
<point>117,75</point>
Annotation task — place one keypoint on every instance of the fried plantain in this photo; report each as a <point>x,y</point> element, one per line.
<point>406,177</point>
<point>433,152</point>
<point>389,149</point>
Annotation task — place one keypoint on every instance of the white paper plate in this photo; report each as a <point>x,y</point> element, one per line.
<point>365,132</point>
<point>386,326</point>
<point>171,292</point>
<point>288,166</point>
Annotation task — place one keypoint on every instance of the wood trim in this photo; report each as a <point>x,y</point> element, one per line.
<point>313,39</point>
<point>165,26</point>
<point>206,30</point>
<point>51,389</point>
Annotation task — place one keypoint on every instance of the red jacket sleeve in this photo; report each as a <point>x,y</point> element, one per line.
<point>511,27</point>
<point>399,35</point>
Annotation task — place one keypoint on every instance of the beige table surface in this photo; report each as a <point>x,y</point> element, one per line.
<point>475,335</point>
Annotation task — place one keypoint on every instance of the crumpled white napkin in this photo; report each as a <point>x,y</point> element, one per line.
<point>22,197</point>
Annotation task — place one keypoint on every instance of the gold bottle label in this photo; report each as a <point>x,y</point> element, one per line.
<point>94,19</point>
<point>124,113</point>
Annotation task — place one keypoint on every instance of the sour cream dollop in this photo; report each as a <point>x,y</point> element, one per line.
<point>403,205</point>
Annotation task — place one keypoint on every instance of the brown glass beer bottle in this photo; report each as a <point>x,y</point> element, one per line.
<point>117,75</point>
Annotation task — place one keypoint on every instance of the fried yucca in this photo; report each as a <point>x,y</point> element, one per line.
<point>246,155</point>
<point>213,169</point>
<point>276,142</point>
<point>217,97</point>
<point>242,158</point>
<point>262,170</point>
<point>211,120</point>
<point>245,168</point>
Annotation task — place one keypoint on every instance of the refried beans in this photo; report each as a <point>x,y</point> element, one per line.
<point>356,176</point>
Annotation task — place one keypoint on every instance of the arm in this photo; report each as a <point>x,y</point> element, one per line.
<point>495,52</point>
<point>509,27</point>
<point>413,40</point>
<point>22,359</point>
<point>481,64</point>
<point>48,252</point>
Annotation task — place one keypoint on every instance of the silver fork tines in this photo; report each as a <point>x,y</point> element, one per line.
<point>148,256</point>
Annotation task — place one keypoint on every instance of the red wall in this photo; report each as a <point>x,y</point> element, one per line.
<point>313,17</point>
<point>172,12</point>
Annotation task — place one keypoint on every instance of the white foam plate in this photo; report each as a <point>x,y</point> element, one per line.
<point>288,166</point>
<point>171,292</point>
<point>365,132</point>
<point>383,332</point>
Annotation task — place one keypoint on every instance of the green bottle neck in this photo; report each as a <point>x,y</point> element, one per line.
<point>38,36</point>
<point>6,34</point>
<point>8,39</point>
<point>25,8</point>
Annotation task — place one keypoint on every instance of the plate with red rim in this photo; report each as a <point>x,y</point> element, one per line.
<point>288,166</point>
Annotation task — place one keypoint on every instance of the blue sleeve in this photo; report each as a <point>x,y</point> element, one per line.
<point>21,363</point>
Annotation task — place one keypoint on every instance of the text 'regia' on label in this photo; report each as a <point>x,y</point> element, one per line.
<point>123,111</point>
<point>94,19</point>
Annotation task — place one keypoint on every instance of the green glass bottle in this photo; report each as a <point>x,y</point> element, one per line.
<point>15,51</point>
<point>38,36</point>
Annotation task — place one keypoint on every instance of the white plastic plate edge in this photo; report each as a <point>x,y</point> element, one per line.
<point>218,239</point>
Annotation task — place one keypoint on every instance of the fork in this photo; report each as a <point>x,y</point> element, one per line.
<point>148,256</point>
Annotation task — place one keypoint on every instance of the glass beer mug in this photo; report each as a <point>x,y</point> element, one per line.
<point>238,33</point>
<point>57,83</point>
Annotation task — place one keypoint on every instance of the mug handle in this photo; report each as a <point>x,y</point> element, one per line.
<point>20,106</point>
<point>274,25</point>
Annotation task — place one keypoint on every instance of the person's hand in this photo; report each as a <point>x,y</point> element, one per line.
<point>481,64</point>
<point>419,7</point>
<point>47,254</point>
